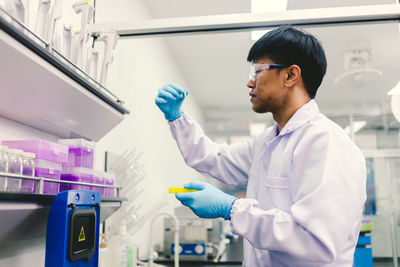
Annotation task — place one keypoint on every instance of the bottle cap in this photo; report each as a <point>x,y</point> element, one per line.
<point>30,155</point>
<point>14,151</point>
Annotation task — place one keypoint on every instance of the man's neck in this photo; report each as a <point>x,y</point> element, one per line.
<point>283,116</point>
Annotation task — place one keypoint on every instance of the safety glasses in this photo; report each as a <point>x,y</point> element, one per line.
<point>259,67</point>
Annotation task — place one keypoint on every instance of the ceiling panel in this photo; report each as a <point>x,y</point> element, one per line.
<point>187,8</point>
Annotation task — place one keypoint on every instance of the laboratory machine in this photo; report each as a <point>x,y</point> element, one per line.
<point>199,239</point>
<point>72,238</point>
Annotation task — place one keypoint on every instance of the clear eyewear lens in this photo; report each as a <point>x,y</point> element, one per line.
<point>257,67</point>
<point>252,74</point>
<point>254,68</point>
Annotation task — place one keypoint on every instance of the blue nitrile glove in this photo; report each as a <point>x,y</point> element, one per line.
<point>169,99</point>
<point>209,202</point>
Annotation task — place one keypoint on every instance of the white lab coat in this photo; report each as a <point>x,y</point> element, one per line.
<point>305,188</point>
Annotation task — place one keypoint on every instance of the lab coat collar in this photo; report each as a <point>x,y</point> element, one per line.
<point>299,118</point>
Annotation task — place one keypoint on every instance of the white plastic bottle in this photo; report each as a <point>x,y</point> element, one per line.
<point>128,254</point>
<point>123,252</point>
<point>104,253</point>
<point>115,249</point>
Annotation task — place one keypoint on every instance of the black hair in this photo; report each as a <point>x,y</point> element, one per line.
<point>288,45</point>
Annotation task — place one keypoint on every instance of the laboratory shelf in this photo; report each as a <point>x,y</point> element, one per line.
<point>42,89</point>
<point>23,216</point>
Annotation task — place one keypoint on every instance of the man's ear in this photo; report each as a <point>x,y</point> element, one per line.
<point>293,75</point>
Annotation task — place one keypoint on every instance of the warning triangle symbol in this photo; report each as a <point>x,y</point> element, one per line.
<point>81,235</point>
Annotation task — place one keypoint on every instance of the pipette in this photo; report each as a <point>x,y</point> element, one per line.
<point>53,18</point>
<point>42,18</point>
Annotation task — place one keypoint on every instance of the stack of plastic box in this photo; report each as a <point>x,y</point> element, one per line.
<point>80,153</point>
<point>48,162</point>
<point>79,168</point>
<point>109,179</point>
<point>98,178</point>
<point>76,174</point>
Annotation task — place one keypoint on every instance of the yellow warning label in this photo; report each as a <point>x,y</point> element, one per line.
<point>81,235</point>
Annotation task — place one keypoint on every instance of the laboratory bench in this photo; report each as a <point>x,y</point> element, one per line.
<point>232,256</point>
<point>199,263</point>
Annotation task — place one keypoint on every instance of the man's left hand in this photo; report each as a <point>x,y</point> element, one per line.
<point>208,202</point>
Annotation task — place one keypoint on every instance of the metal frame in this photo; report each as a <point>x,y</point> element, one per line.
<point>40,182</point>
<point>389,154</point>
<point>246,21</point>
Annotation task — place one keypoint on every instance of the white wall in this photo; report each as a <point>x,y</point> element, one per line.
<point>32,252</point>
<point>141,66</point>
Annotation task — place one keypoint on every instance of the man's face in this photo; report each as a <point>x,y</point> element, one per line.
<point>268,92</point>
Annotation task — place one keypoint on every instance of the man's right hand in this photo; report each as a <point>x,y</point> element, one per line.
<point>169,100</point>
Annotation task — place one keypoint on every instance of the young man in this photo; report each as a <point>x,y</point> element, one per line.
<point>305,178</point>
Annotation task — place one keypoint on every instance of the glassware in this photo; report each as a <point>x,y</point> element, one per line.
<point>14,167</point>
<point>28,169</point>
<point>3,167</point>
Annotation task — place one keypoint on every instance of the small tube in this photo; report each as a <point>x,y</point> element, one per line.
<point>175,190</point>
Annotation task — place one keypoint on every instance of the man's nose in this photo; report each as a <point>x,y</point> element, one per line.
<point>251,84</point>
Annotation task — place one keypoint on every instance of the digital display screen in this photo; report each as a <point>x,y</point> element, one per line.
<point>82,234</point>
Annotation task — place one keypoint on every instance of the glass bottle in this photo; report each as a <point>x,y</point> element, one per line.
<point>3,167</point>
<point>28,169</point>
<point>14,167</point>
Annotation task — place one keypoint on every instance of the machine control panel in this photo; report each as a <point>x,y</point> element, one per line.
<point>190,249</point>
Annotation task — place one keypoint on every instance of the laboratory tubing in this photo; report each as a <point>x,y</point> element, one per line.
<point>3,167</point>
<point>14,167</point>
<point>176,238</point>
<point>73,174</point>
<point>48,162</point>
<point>28,169</point>
<point>80,153</point>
